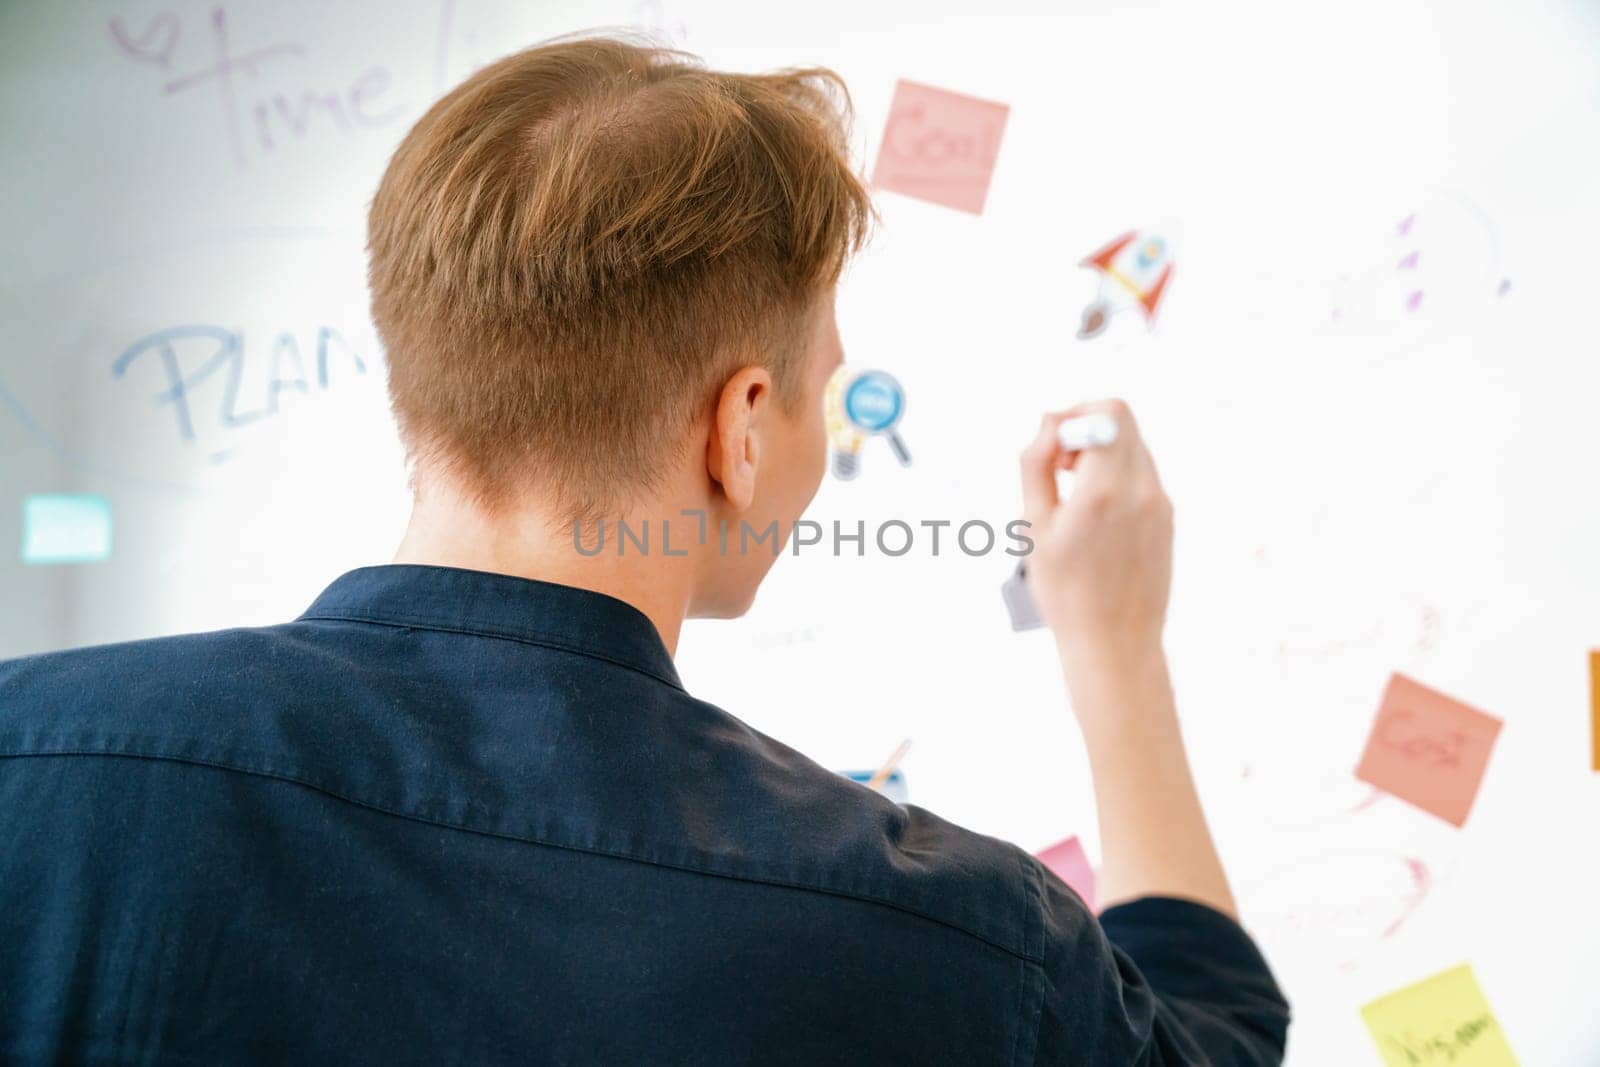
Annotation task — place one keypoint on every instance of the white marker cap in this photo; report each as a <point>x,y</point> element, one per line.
<point>1087,431</point>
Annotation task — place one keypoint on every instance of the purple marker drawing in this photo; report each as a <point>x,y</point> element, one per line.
<point>441,55</point>
<point>223,71</point>
<point>155,45</point>
<point>272,117</point>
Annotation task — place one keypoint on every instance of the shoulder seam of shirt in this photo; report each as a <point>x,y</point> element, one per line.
<point>1034,875</point>
<point>402,622</point>
<point>296,780</point>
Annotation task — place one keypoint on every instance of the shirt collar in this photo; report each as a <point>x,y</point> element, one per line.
<point>499,605</point>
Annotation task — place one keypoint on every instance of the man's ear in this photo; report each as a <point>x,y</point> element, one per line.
<point>733,448</point>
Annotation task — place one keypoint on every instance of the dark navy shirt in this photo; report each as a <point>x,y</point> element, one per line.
<point>455,817</point>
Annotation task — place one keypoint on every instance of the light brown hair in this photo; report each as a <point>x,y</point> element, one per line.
<point>570,251</point>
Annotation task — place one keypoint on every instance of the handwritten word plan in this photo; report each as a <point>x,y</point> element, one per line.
<point>1428,749</point>
<point>940,146</point>
<point>1440,1020</point>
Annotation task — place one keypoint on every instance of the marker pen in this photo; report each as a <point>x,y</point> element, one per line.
<point>1087,431</point>
<point>1096,430</point>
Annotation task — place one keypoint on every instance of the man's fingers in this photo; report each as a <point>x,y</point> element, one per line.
<point>1101,466</point>
<point>1038,465</point>
<point>1113,460</point>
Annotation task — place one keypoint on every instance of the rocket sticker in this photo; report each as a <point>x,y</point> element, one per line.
<point>1134,272</point>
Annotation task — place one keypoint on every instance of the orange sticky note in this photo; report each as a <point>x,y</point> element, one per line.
<point>940,146</point>
<point>1594,705</point>
<point>1428,749</point>
<point>1067,860</point>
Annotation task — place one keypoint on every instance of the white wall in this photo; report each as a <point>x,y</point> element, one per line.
<point>1390,491</point>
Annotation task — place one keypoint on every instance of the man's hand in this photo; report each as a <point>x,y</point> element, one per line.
<point>1100,572</point>
<point>1101,567</point>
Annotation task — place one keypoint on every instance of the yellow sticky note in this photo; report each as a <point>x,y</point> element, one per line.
<point>1439,1020</point>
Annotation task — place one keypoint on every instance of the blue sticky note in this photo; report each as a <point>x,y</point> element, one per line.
<point>65,528</point>
<point>894,788</point>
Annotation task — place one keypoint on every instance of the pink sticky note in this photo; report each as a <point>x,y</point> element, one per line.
<point>1066,860</point>
<point>1428,749</point>
<point>940,146</point>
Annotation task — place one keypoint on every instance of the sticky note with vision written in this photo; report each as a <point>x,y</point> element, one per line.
<point>940,146</point>
<point>1428,749</point>
<point>1440,1020</point>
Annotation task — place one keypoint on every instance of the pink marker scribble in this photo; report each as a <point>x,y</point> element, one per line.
<point>1333,931</point>
<point>1368,801</point>
<point>1429,636</point>
<point>1420,881</point>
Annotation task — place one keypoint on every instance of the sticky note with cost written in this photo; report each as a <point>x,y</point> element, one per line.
<point>940,146</point>
<point>1444,1019</point>
<point>1428,749</point>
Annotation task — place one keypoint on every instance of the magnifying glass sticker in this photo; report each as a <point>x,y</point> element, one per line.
<point>873,403</point>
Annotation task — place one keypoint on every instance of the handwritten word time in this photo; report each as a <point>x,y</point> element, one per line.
<point>258,123</point>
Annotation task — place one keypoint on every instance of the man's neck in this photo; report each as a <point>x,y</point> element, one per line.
<point>451,533</point>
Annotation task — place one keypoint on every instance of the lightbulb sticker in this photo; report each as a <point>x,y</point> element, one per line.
<point>859,404</point>
<point>1134,271</point>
